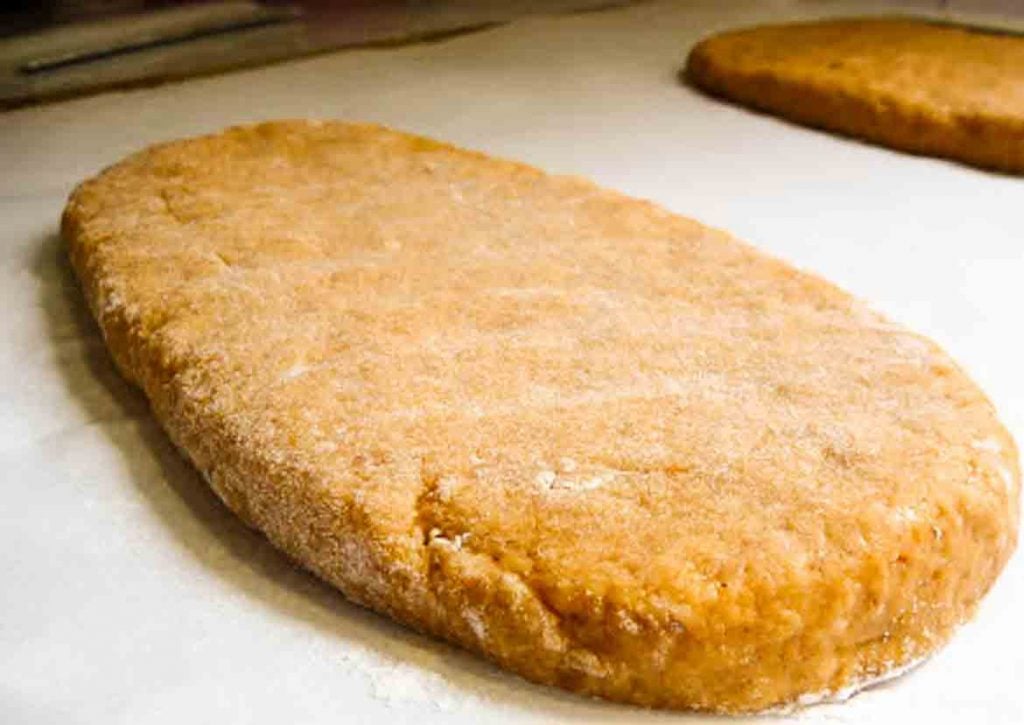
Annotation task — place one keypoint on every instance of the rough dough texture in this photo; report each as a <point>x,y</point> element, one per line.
<point>609,448</point>
<point>909,84</point>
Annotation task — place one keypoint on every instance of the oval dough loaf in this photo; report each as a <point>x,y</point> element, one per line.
<point>609,448</point>
<point>913,85</point>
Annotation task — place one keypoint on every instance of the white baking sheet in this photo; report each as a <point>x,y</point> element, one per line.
<point>129,595</point>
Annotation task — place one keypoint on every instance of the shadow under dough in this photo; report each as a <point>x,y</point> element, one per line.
<point>266,575</point>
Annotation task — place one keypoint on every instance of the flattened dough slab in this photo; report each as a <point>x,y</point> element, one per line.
<point>912,85</point>
<point>607,447</point>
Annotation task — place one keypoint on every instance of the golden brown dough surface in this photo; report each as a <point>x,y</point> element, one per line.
<point>609,448</point>
<point>909,84</point>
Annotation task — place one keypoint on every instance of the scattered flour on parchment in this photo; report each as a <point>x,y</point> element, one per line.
<point>397,682</point>
<point>415,681</point>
